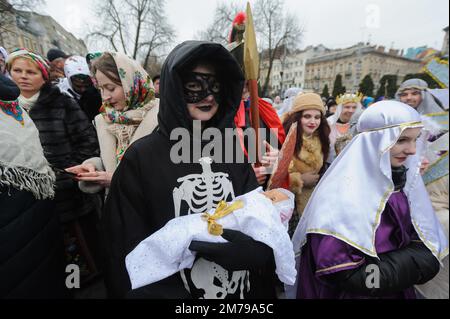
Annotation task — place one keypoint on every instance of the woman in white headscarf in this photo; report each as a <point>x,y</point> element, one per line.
<point>78,84</point>
<point>289,97</point>
<point>371,212</point>
<point>343,122</point>
<point>75,66</point>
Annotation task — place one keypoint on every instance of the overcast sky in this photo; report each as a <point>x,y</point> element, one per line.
<point>334,23</point>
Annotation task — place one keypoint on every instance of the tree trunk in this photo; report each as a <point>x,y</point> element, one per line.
<point>138,32</point>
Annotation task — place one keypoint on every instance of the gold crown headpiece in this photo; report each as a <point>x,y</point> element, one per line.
<point>349,98</point>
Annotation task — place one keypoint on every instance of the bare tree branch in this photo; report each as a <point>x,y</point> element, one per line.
<point>109,37</point>
<point>275,28</point>
<point>114,14</point>
<point>28,5</point>
<point>138,27</point>
<point>220,28</point>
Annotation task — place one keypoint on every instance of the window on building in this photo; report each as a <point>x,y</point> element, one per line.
<point>27,44</point>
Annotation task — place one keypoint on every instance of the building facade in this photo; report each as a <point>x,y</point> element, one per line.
<point>288,69</point>
<point>354,63</point>
<point>38,33</point>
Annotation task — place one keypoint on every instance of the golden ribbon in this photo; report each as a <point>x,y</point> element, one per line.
<point>222,210</point>
<point>402,125</point>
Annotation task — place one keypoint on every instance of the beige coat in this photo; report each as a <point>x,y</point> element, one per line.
<point>108,144</point>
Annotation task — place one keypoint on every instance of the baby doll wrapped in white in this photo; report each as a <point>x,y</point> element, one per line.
<point>262,216</point>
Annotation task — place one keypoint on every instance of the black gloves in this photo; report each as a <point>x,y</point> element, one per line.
<point>399,269</point>
<point>240,253</point>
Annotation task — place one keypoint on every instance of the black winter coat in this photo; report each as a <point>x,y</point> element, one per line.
<point>90,102</point>
<point>68,139</point>
<point>31,249</point>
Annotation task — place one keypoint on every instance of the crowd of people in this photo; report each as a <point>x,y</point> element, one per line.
<point>87,178</point>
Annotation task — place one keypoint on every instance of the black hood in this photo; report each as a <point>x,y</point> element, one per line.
<point>173,111</point>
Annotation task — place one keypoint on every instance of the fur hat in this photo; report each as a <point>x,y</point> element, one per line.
<point>308,101</point>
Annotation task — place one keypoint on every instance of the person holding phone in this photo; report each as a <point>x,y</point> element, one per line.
<point>129,112</point>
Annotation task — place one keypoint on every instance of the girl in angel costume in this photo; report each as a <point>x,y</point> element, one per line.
<point>379,236</point>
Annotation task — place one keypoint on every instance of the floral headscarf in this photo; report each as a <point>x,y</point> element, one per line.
<point>137,86</point>
<point>139,92</point>
<point>41,62</point>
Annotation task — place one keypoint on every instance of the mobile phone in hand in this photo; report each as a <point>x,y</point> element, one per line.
<point>60,171</point>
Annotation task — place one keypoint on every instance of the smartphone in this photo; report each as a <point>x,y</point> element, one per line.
<point>60,171</point>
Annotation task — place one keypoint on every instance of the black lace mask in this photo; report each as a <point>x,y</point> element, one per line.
<point>198,86</point>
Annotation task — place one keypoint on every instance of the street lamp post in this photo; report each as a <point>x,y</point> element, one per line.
<point>281,83</point>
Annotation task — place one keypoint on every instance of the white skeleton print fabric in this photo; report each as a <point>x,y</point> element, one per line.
<point>202,192</point>
<point>216,282</point>
<point>166,251</point>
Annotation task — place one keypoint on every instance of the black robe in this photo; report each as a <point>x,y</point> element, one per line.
<point>144,191</point>
<point>31,250</point>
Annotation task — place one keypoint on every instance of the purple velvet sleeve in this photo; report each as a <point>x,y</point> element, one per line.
<point>332,255</point>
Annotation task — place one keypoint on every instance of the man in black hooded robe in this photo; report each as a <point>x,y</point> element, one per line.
<point>148,189</point>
